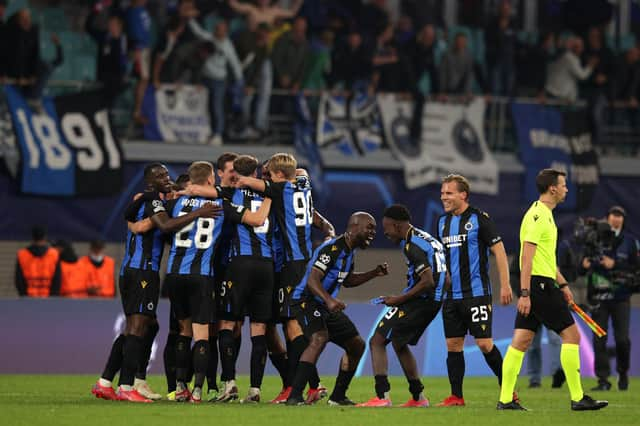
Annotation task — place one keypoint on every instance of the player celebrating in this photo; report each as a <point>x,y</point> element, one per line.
<point>413,311</point>
<point>544,295</point>
<point>468,235</point>
<point>319,312</point>
<point>294,213</point>
<point>140,281</point>
<point>190,276</point>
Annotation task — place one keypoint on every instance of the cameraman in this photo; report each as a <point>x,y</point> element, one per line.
<point>609,295</point>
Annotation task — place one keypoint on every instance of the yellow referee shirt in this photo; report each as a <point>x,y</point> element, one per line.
<point>539,228</point>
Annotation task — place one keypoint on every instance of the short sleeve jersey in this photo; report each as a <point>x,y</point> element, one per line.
<point>424,253</point>
<point>539,227</point>
<point>292,206</point>
<point>144,251</point>
<point>467,239</point>
<point>335,261</point>
<point>193,246</point>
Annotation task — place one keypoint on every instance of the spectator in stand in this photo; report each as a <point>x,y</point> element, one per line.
<point>253,51</point>
<point>351,63</point>
<point>564,73</point>
<point>3,41</point>
<point>139,32</point>
<point>500,42</point>
<point>456,69</point>
<point>391,69</point>
<point>319,67</point>
<point>290,56</point>
<point>73,277</point>
<point>44,71</point>
<point>596,87</point>
<point>37,269</point>
<point>264,12</point>
<point>532,63</point>
<point>421,52</point>
<point>625,85</point>
<point>404,32</point>
<point>215,72</point>
<point>99,271</point>
<point>112,58</point>
<point>424,12</point>
<point>22,49</point>
<point>373,20</point>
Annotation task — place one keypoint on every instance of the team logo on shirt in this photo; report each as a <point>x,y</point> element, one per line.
<point>143,283</point>
<point>468,226</point>
<point>334,248</point>
<point>535,217</point>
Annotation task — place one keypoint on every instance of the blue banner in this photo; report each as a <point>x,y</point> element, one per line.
<point>47,165</point>
<point>550,138</point>
<point>66,145</point>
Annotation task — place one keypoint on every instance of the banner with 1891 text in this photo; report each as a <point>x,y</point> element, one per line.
<point>66,145</point>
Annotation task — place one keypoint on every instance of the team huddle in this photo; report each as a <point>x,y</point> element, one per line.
<point>243,248</point>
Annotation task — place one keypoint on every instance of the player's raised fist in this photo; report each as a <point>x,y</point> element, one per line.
<point>382,269</point>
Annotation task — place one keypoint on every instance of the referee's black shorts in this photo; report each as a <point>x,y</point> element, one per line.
<point>548,307</point>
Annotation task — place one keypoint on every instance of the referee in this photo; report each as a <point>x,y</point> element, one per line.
<point>544,294</point>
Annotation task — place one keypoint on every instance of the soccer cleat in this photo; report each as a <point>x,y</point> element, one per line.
<point>315,395</point>
<point>171,396</point>
<point>295,400</point>
<point>282,396</point>
<point>182,392</point>
<point>212,395</point>
<point>229,393</point>
<point>130,395</point>
<point>513,405</point>
<point>376,402</point>
<point>253,397</point>
<point>145,390</point>
<point>344,402</point>
<point>603,385</point>
<point>196,396</point>
<point>452,401</point>
<point>322,390</point>
<point>588,403</point>
<point>421,403</point>
<point>104,392</point>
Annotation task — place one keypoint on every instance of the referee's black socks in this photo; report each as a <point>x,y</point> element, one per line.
<point>200,361</point>
<point>494,361</point>
<point>114,362</point>
<point>227,355</point>
<point>455,368</point>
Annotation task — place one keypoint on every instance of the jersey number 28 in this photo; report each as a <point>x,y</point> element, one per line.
<point>203,237</point>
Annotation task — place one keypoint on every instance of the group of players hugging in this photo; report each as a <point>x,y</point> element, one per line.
<point>242,248</point>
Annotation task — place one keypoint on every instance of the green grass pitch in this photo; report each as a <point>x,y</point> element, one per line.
<point>66,400</point>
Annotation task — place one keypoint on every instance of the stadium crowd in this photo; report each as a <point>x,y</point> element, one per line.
<point>244,51</point>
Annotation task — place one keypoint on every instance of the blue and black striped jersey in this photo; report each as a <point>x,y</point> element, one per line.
<point>144,251</point>
<point>467,239</point>
<point>193,247</point>
<point>253,241</point>
<point>292,206</point>
<point>422,252</point>
<point>335,260</point>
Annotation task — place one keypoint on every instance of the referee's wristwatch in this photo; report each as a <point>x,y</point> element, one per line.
<point>524,292</point>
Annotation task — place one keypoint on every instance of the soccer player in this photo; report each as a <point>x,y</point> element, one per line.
<point>318,311</point>
<point>468,236</point>
<point>413,311</point>
<point>294,213</point>
<point>190,276</point>
<point>248,286</point>
<point>544,295</point>
<point>140,282</point>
